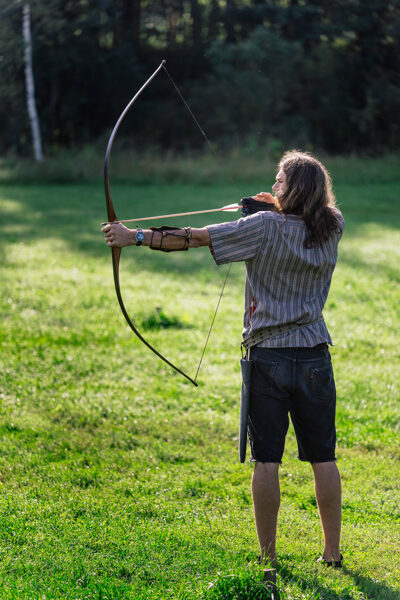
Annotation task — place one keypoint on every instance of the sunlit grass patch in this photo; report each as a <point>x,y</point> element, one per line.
<point>121,480</point>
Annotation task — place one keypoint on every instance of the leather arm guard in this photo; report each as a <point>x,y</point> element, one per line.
<point>159,234</point>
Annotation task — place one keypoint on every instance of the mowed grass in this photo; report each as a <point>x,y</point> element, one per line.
<point>118,478</point>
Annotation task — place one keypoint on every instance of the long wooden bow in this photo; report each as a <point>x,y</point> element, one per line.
<point>112,217</point>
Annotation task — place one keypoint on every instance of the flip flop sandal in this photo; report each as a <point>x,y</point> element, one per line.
<point>336,564</point>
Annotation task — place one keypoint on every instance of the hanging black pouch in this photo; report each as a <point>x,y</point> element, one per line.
<point>247,367</point>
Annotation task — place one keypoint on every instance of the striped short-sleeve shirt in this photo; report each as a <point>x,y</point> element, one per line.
<point>289,283</point>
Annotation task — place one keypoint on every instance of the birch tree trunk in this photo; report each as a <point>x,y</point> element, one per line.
<point>30,86</point>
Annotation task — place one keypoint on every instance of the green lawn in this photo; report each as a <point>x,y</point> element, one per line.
<point>118,478</point>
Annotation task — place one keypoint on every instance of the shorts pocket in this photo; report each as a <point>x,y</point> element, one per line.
<point>263,376</point>
<point>323,383</point>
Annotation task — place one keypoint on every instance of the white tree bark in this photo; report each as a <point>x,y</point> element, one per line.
<point>30,86</point>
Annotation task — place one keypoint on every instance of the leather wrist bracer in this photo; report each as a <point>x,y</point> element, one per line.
<point>159,235</point>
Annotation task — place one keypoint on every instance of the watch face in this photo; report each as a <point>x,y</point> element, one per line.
<point>139,236</point>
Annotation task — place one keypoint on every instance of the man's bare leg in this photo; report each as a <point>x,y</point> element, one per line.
<point>266,501</point>
<point>328,491</point>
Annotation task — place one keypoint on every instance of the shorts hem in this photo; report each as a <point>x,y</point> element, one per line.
<point>318,460</point>
<point>264,460</point>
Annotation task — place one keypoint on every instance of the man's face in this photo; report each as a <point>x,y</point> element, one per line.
<point>279,186</point>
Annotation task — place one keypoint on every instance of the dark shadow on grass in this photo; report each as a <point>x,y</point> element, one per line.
<point>73,214</point>
<point>308,583</point>
<point>371,589</point>
<point>370,203</point>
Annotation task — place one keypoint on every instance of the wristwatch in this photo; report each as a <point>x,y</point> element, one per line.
<point>139,237</point>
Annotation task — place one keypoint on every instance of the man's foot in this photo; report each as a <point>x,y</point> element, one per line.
<point>270,582</point>
<point>336,564</point>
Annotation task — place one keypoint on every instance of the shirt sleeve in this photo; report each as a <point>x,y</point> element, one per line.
<point>239,240</point>
<point>341,219</point>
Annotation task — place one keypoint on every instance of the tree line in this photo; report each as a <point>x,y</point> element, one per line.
<point>258,74</point>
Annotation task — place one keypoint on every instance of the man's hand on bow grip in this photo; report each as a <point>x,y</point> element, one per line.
<point>117,235</point>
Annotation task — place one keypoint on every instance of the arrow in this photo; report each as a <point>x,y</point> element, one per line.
<point>227,208</point>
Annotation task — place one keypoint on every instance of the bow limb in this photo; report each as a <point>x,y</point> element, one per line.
<point>116,252</point>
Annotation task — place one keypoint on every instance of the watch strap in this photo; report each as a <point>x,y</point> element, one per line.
<point>139,240</point>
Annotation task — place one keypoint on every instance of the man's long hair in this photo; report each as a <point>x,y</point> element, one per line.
<point>309,194</point>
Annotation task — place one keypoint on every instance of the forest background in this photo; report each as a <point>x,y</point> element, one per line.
<point>316,74</point>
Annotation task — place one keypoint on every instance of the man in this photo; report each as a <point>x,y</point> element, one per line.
<point>290,255</point>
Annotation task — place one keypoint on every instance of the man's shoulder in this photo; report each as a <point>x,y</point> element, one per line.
<point>268,216</point>
<point>338,213</point>
<point>263,221</point>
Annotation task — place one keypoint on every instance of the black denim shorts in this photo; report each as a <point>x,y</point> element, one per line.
<point>299,382</point>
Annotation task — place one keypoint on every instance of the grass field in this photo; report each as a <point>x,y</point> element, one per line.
<point>119,479</point>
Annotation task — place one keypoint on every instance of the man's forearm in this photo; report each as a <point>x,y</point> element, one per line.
<point>152,238</point>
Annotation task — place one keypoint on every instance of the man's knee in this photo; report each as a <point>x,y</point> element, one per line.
<point>266,467</point>
<point>266,474</point>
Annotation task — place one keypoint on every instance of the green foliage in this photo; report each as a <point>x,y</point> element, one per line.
<point>260,71</point>
<point>312,74</point>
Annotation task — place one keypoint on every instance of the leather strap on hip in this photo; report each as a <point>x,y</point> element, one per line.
<point>269,332</point>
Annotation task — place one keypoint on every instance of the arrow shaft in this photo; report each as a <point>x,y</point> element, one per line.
<point>194,212</point>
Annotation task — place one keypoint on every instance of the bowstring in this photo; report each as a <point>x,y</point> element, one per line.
<point>191,113</point>
<point>213,319</point>
<point>217,159</point>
